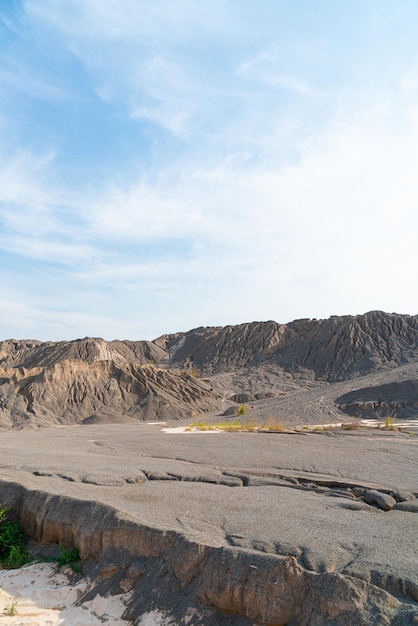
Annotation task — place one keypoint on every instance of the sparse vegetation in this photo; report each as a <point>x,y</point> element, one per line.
<point>389,425</point>
<point>242,410</point>
<point>272,425</point>
<point>14,550</point>
<point>238,426</point>
<point>18,556</point>
<point>71,558</point>
<point>199,426</point>
<point>10,611</point>
<point>13,542</point>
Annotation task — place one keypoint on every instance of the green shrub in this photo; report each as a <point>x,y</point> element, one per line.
<point>389,425</point>
<point>18,556</point>
<point>13,542</point>
<point>71,558</point>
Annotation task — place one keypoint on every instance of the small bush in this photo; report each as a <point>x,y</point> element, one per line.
<point>389,424</point>
<point>71,558</point>
<point>13,542</point>
<point>18,556</point>
<point>242,410</point>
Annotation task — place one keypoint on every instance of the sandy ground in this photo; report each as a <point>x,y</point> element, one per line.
<point>38,595</point>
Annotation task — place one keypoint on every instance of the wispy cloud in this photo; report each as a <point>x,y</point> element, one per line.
<point>270,68</point>
<point>16,77</point>
<point>138,19</point>
<point>224,172</point>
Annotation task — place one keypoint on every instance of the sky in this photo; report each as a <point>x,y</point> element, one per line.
<point>170,164</point>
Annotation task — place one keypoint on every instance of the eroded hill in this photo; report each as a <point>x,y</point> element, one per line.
<point>204,370</point>
<point>333,349</point>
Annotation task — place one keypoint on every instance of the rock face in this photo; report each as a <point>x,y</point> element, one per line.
<point>91,379</point>
<point>71,392</point>
<point>399,399</point>
<point>220,585</point>
<point>334,349</point>
<point>30,354</point>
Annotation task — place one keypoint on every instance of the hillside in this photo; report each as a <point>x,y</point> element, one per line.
<point>206,369</point>
<point>333,349</point>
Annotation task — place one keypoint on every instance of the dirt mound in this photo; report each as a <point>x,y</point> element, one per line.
<point>71,392</point>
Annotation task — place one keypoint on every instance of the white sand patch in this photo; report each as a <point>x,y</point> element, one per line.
<point>371,423</point>
<point>38,595</point>
<point>177,430</point>
<point>380,423</point>
<point>155,618</point>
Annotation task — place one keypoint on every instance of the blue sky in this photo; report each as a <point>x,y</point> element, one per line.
<point>172,164</point>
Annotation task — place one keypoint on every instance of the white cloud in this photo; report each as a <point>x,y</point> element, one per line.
<point>136,19</point>
<point>260,208</point>
<point>67,253</point>
<point>24,199</point>
<point>272,69</point>
<point>331,234</point>
<point>135,58</point>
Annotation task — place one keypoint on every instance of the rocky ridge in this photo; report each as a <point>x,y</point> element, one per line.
<point>333,349</point>
<point>185,374</point>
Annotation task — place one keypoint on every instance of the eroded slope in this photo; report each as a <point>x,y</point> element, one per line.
<point>91,379</point>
